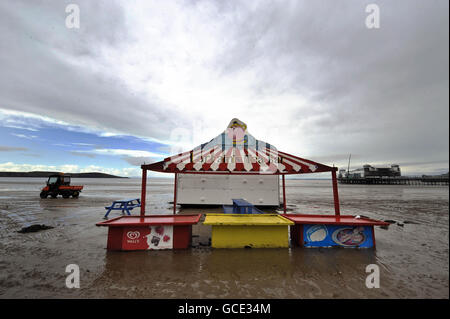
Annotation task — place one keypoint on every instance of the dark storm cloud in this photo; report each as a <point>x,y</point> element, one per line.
<point>40,74</point>
<point>382,93</point>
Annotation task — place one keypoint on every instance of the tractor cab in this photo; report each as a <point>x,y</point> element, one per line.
<point>59,184</point>
<point>58,179</point>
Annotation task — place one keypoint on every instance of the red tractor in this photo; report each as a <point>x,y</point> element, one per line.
<point>59,184</point>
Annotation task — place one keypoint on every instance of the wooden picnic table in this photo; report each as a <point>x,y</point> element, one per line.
<point>125,205</point>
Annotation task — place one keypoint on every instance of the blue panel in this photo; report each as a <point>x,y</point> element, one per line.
<point>337,235</point>
<point>241,202</point>
<point>228,209</point>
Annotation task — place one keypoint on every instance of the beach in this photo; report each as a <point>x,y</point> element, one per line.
<point>412,254</point>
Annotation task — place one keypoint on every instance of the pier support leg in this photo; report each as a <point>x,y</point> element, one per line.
<point>175,194</point>
<point>143,190</point>
<point>284,194</point>
<point>335,194</point>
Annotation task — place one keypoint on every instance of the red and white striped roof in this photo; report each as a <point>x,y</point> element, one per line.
<point>236,151</point>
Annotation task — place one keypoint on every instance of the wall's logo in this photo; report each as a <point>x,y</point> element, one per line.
<point>133,235</point>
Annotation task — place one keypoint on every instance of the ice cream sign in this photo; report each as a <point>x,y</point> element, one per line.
<point>133,237</point>
<point>337,235</point>
<point>160,237</point>
<point>153,237</point>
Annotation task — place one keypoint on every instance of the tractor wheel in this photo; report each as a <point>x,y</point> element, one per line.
<point>54,195</point>
<point>43,194</point>
<point>66,195</point>
<point>75,194</point>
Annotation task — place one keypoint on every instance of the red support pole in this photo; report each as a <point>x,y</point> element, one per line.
<point>284,194</point>
<point>175,195</point>
<point>144,190</point>
<point>335,193</point>
<point>373,237</point>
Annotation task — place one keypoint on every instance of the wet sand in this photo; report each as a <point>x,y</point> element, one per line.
<point>413,258</point>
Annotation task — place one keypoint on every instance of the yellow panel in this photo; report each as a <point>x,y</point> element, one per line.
<point>251,236</point>
<point>246,219</point>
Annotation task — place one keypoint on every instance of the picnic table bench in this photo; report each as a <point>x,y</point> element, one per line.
<point>241,206</point>
<point>125,205</point>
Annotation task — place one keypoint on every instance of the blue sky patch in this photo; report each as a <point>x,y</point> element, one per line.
<point>28,142</point>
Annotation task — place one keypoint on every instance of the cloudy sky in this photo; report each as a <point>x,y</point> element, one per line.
<point>141,80</point>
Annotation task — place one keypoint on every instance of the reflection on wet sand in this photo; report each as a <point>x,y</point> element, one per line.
<point>413,258</point>
<point>234,273</point>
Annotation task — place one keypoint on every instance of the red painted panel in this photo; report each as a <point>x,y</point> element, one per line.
<point>137,237</point>
<point>182,236</point>
<point>114,238</point>
<point>373,238</point>
<point>151,220</point>
<point>300,231</point>
<point>134,238</point>
<point>297,235</point>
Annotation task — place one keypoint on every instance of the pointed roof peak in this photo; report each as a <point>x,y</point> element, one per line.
<point>237,123</point>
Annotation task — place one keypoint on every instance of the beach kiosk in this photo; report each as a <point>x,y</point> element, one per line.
<point>236,152</point>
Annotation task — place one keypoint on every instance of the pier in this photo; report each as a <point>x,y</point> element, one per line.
<point>397,180</point>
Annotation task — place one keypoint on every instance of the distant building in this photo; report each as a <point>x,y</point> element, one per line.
<point>368,171</point>
<point>436,176</point>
